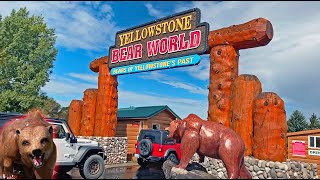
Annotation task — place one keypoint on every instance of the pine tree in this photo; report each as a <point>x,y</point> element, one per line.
<point>314,122</point>
<point>297,122</point>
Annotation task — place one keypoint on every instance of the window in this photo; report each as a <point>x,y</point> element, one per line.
<point>156,126</point>
<point>58,131</point>
<point>314,142</point>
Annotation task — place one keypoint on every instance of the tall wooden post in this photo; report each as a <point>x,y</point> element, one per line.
<point>107,100</point>
<point>224,46</point>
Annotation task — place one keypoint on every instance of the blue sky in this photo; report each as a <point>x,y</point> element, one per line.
<point>288,65</point>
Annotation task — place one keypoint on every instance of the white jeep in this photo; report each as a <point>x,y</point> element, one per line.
<point>71,151</point>
<point>74,152</point>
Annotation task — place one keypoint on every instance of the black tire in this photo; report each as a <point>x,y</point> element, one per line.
<point>142,162</point>
<point>92,168</point>
<point>145,147</point>
<point>172,157</point>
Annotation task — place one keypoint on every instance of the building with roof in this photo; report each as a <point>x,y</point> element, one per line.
<point>131,120</point>
<point>304,146</point>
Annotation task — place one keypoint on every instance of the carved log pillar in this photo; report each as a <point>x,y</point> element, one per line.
<point>75,115</point>
<point>245,90</point>
<point>223,70</point>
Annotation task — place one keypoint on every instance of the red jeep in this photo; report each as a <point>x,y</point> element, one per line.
<point>154,146</point>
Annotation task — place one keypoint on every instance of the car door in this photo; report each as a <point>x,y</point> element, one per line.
<point>66,151</point>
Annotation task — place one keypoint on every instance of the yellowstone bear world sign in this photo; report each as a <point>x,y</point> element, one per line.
<point>170,42</point>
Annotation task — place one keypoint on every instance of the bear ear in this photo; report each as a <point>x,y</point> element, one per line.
<point>18,131</point>
<point>50,129</point>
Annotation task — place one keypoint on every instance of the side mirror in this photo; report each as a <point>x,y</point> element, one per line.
<point>67,136</point>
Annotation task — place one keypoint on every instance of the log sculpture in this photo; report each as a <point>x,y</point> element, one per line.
<point>246,88</point>
<point>223,71</point>
<point>270,127</point>
<point>107,101</point>
<point>223,48</point>
<point>75,115</point>
<point>88,112</point>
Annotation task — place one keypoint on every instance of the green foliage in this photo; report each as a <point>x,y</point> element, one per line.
<point>297,122</point>
<point>314,122</point>
<point>53,109</point>
<point>27,54</point>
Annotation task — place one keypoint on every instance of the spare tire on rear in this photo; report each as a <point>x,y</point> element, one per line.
<point>145,147</point>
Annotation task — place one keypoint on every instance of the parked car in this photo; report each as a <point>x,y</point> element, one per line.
<point>154,146</point>
<point>71,151</point>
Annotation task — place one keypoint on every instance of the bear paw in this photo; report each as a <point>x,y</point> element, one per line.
<point>179,170</point>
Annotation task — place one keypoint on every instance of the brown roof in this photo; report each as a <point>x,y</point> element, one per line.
<point>315,131</point>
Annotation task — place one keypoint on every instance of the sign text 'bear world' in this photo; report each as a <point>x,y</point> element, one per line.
<point>170,42</point>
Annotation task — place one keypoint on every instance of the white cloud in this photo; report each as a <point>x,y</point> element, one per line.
<point>154,12</point>
<point>88,27</point>
<point>86,77</point>
<point>174,82</point>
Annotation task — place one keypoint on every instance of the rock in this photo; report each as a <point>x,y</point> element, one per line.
<point>261,176</point>
<point>256,168</point>
<point>251,168</point>
<point>214,172</point>
<point>304,174</point>
<point>253,173</point>
<point>293,166</point>
<point>267,169</point>
<point>259,172</point>
<point>271,165</point>
<point>286,167</point>
<point>265,175</point>
<point>252,161</point>
<point>309,167</point>
<point>255,177</point>
<point>259,163</point>
<point>273,173</point>
<point>192,171</point>
<point>298,167</point>
<point>221,165</point>
<point>279,174</point>
<point>295,174</point>
<point>215,163</point>
<point>220,174</point>
<point>263,164</point>
<point>268,164</point>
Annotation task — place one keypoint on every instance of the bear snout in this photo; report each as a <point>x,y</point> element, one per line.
<point>37,152</point>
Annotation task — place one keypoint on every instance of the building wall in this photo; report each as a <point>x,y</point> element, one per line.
<point>308,158</point>
<point>164,118</point>
<point>131,128</point>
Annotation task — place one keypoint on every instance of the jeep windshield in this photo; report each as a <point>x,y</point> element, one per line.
<point>155,136</point>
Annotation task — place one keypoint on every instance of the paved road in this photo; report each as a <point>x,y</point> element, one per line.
<point>128,172</point>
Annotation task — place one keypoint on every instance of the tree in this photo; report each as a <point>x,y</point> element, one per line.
<point>314,122</point>
<point>27,54</point>
<point>297,122</point>
<point>64,113</point>
<point>51,108</point>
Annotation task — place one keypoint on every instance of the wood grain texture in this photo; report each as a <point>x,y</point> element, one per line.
<point>88,112</point>
<point>269,127</point>
<point>246,88</point>
<point>255,33</point>
<point>224,61</point>
<point>75,115</point>
<point>95,64</point>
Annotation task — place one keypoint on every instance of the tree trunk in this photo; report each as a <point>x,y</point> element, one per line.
<point>270,127</point>
<point>107,103</point>
<point>75,115</point>
<point>246,88</point>
<point>88,112</point>
<point>223,70</point>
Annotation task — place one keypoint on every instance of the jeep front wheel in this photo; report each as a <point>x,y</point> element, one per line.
<point>142,162</point>
<point>92,168</point>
